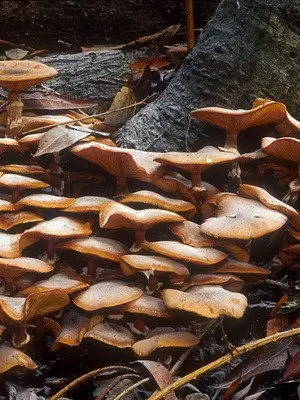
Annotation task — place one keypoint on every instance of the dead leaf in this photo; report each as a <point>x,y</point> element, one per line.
<point>240,395</point>
<point>293,368</point>
<point>16,54</point>
<point>277,324</point>
<point>124,97</point>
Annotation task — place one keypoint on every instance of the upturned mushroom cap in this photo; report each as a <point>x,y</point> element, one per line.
<point>240,218</point>
<point>6,205</point>
<point>210,301</point>
<point>179,251</point>
<point>96,246</point>
<point>230,282</point>
<point>67,281</point>
<point>11,245</point>
<point>286,148</point>
<point>16,310</point>
<point>18,75</point>
<point>148,305</point>
<point>112,334</point>
<point>15,181</point>
<point>243,269</point>
<point>8,144</point>
<point>157,200</point>
<point>11,357</point>
<point>115,215</point>
<point>121,162</point>
<point>87,204</point>
<point>106,294</point>
<point>14,267</point>
<point>134,263</point>
<point>169,338</point>
<point>11,219</point>
<point>42,200</point>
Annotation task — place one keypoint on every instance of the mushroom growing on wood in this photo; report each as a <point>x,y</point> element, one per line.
<point>17,183</point>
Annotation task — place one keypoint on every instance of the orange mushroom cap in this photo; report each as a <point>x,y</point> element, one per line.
<point>21,182</point>
<point>230,282</point>
<point>14,267</point>
<point>11,219</point>
<point>21,169</point>
<point>286,148</point>
<point>243,269</point>
<point>87,204</point>
<point>112,334</point>
<point>6,205</point>
<point>11,357</point>
<point>148,305</point>
<point>11,245</point>
<point>8,144</point>
<point>42,200</point>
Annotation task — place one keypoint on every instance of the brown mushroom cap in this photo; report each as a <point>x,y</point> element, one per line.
<point>288,255</point>
<point>112,334</point>
<point>6,205</point>
<point>42,200</point>
<point>87,204</point>
<point>148,305</point>
<point>8,144</point>
<point>243,269</point>
<point>230,282</point>
<point>106,294</point>
<point>286,148</point>
<point>21,182</point>
<point>67,281</point>
<point>11,357</point>
<point>14,267</point>
<point>115,215</point>
<point>169,338</point>
<point>179,251</point>
<point>210,301</point>
<point>11,219</point>
<point>157,200</point>
<point>240,218</point>
<point>11,245</point>
<point>18,75</point>
<point>176,184</point>
<point>29,142</point>
<point>96,246</point>
<point>24,169</point>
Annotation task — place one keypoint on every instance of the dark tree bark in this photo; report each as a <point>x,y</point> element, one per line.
<point>249,49</point>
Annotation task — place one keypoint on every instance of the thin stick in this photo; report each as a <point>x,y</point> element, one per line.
<point>131,388</point>
<point>89,375</point>
<point>237,352</point>
<point>190,38</point>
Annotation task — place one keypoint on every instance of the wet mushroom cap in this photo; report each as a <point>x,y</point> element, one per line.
<point>18,75</point>
<point>11,219</point>
<point>24,169</point>
<point>20,181</point>
<point>11,357</point>
<point>8,144</point>
<point>42,200</point>
<point>13,267</point>
<point>11,245</point>
<point>112,334</point>
<point>243,269</point>
<point>148,305</point>
<point>230,282</point>
<point>106,294</point>
<point>286,148</point>
<point>6,205</point>
<point>87,204</point>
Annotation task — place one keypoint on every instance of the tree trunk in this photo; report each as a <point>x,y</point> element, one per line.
<point>249,49</point>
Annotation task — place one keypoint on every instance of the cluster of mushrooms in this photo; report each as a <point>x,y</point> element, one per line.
<point>139,269</point>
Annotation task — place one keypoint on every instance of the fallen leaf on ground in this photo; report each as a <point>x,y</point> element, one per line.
<point>123,98</point>
<point>16,54</point>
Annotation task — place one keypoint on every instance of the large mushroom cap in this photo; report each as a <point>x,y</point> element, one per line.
<point>11,245</point>
<point>148,305</point>
<point>18,75</point>
<point>230,282</point>
<point>20,181</point>
<point>207,301</point>
<point>112,334</point>
<point>240,218</point>
<point>22,169</point>
<point>11,219</point>
<point>286,148</point>
<point>243,269</point>
<point>179,251</point>
<point>6,205</point>
<point>13,267</point>
<point>106,294</point>
<point>11,357</point>
<point>87,204</point>
<point>42,200</point>
<point>8,144</point>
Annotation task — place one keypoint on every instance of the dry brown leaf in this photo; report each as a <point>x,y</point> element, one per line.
<point>124,97</point>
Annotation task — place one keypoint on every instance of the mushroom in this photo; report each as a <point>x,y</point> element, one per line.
<point>11,219</point>
<point>16,76</point>
<point>8,144</point>
<point>289,255</point>
<point>210,301</point>
<point>229,282</point>
<point>247,271</point>
<point>115,215</point>
<point>11,358</point>
<point>46,201</point>
<point>147,305</point>
<point>21,169</point>
<point>6,205</point>
<point>112,334</point>
<point>17,183</point>
<point>11,245</point>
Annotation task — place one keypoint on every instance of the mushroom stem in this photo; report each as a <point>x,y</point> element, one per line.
<point>140,237</point>
<point>15,196</point>
<point>234,175</point>
<point>20,337</point>
<point>198,190</point>
<point>231,141</point>
<point>56,174</point>
<point>294,190</point>
<point>121,187</point>
<point>9,285</point>
<point>92,268</point>
<point>139,325</point>
<point>14,111</point>
<point>51,250</point>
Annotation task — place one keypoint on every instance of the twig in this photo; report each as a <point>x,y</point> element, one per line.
<point>237,352</point>
<point>89,375</point>
<point>278,285</point>
<point>131,388</point>
<point>114,383</point>
<point>47,127</point>
<point>190,37</point>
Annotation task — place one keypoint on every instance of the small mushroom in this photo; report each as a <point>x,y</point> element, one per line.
<point>11,219</point>
<point>147,305</point>
<point>115,215</point>
<point>11,358</point>
<point>247,271</point>
<point>112,334</point>
<point>229,282</point>
<point>21,169</point>
<point>42,200</point>
<point>17,183</point>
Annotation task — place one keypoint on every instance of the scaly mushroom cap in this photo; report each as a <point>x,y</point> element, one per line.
<point>121,162</point>
<point>190,234</point>
<point>87,204</point>
<point>106,294</point>
<point>288,255</point>
<point>230,282</point>
<point>42,200</point>
<point>240,218</point>
<point>11,357</point>
<point>207,301</point>
<point>14,267</point>
<point>11,245</point>
<point>115,215</point>
<point>243,269</point>
<point>148,305</point>
<point>15,181</point>
<point>18,75</point>
<point>6,205</point>
<point>286,148</point>
<point>67,281</point>
<point>8,144</point>
<point>157,200</point>
<point>170,338</point>
<point>11,219</point>
<point>179,251</point>
<point>134,263</point>
<point>24,169</point>
<point>112,334</point>
<point>96,246</point>
<point>17,310</point>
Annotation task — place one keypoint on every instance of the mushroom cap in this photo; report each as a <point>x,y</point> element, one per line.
<point>24,169</point>
<point>241,218</point>
<point>18,75</point>
<point>157,200</point>
<point>169,338</point>
<point>230,282</point>
<point>286,148</point>
<point>23,182</point>
<point>197,161</point>
<point>115,215</point>
<point>59,228</point>
<point>6,205</point>
<point>11,219</point>
<point>11,357</point>
<point>209,301</point>
<point>41,200</point>
<point>14,267</point>
<point>106,294</point>
<point>121,162</point>
<point>87,204</point>
<point>29,142</point>
<point>16,310</point>
<point>136,262</point>
<point>288,255</point>
<point>8,144</point>
<point>179,251</point>
<point>96,246</point>
<point>66,281</point>
<point>239,120</point>
<point>148,305</point>
<point>11,245</point>
<point>190,234</point>
<point>112,334</point>
<point>243,269</point>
